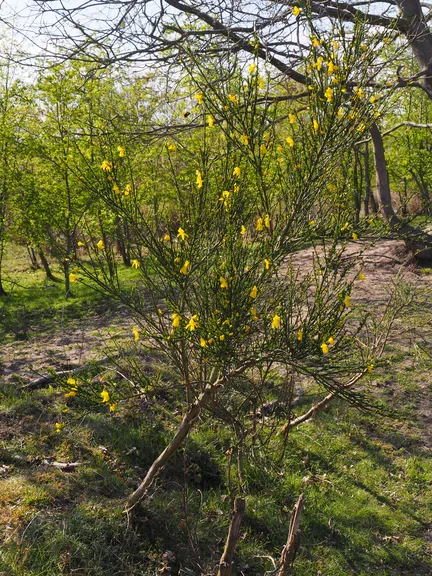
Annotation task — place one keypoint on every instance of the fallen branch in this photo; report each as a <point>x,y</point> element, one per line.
<point>64,466</point>
<point>226,564</point>
<point>51,377</point>
<point>289,551</point>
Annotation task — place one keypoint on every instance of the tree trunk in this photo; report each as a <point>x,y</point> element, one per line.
<point>32,256</point>
<point>177,440</point>
<point>382,179</point>
<point>417,241</point>
<point>2,290</point>
<point>419,37</point>
<point>46,266</point>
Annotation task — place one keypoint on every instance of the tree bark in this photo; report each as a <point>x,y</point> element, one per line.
<point>419,37</point>
<point>46,266</point>
<point>226,563</point>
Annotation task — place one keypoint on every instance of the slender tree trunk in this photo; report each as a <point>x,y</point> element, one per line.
<point>419,37</point>
<point>177,440</point>
<point>369,200</point>
<point>382,179</point>
<point>46,266</point>
<point>2,290</point>
<point>32,256</point>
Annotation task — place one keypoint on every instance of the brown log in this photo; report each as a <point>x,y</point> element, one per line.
<point>226,563</point>
<point>290,549</point>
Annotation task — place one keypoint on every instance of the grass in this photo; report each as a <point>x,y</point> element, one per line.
<point>35,305</point>
<point>367,479</point>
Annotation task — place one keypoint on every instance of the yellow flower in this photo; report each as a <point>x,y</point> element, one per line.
<point>106,166</point>
<point>363,47</point>
<point>176,320</point>
<point>290,141</point>
<point>318,63</point>
<point>312,223</point>
<point>276,322</point>
<point>263,149</point>
<point>359,92</point>
<point>185,268</point>
<point>59,426</point>
<point>222,337</point>
<point>210,121</point>
<point>335,45</point>
<point>296,11</point>
<point>259,225</point>
<point>361,276</point>
<point>136,333</point>
<point>233,98</point>
<point>199,180</point>
<point>330,341</point>
<point>315,125</point>
<point>121,151</point>
<point>266,263</point>
<point>330,68</point>
<point>80,244</point>
<point>100,245</point>
<point>72,393</point>
<point>340,113</point>
<point>105,396</point>
<point>292,118</point>
<point>135,264</point>
<point>370,367</point>
<point>223,282</point>
<point>254,292</point>
<point>354,236</point>
<point>167,237</point>
<point>243,230</point>
<point>193,323</point>
<point>71,381</point>
<point>347,301</point>
<point>181,234</point>
<point>236,172</point>
<point>252,68</point>
<point>113,407</point>
<point>127,190</point>
<point>244,139</point>
<point>199,98</point>
<point>324,348</point>
<point>116,189</point>
<point>267,221</point>
<point>329,94</point>
<point>172,147</point>
<point>72,278</point>
<point>315,42</point>
<point>373,99</point>
<point>345,226</point>
<point>300,335</point>
<point>261,83</point>
<point>203,343</point>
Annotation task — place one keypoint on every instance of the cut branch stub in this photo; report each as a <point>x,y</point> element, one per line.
<point>290,549</point>
<point>226,563</point>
